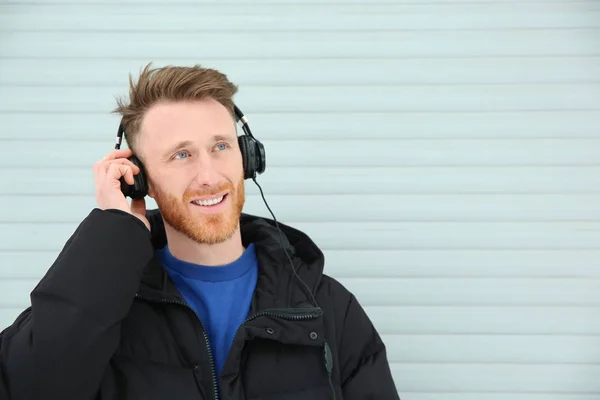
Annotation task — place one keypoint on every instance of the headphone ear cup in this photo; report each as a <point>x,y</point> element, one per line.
<point>253,156</point>
<point>260,157</point>
<point>139,189</point>
<point>247,150</point>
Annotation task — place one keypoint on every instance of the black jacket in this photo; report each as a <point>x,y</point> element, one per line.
<point>106,322</point>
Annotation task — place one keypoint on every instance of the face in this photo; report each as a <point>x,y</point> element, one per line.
<point>194,168</point>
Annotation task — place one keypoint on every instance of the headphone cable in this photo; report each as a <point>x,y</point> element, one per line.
<point>283,246</point>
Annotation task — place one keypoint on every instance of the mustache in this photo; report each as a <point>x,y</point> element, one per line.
<point>193,193</point>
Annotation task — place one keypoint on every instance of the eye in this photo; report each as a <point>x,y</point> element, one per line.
<point>181,154</point>
<point>222,146</point>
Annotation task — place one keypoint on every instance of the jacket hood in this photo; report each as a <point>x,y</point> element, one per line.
<point>276,282</point>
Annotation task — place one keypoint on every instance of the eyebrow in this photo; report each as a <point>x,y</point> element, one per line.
<point>189,143</point>
<point>222,138</point>
<point>178,146</point>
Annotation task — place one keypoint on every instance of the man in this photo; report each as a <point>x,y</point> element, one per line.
<point>195,300</point>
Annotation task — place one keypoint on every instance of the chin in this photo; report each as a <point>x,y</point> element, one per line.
<point>212,228</point>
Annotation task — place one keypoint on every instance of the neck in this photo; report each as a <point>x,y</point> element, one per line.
<point>188,250</point>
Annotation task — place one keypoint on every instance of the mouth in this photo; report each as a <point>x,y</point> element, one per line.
<point>210,202</point>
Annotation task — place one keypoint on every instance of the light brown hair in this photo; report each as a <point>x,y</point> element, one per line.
<point>171,83</point>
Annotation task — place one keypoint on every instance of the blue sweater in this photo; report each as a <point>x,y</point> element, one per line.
<point>220,295</point>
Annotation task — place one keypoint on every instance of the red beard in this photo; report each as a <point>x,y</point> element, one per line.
<point>206,228</point>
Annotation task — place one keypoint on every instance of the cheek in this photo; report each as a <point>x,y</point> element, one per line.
<point>239,165</point>
<point>236,175</point>
<point>231,167</point>
<point>166,184</point>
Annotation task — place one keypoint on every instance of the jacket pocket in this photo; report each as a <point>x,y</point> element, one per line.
<point>272,370</point>
<point>316,393</point>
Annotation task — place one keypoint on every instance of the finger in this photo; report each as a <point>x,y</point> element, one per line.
<point>100,165</point>
<point>121,153</point>
<point>129,176</point>
<point>116,171</point>
<point>123,161</point>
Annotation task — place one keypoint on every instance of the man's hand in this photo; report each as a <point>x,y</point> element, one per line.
<point>107,172</point>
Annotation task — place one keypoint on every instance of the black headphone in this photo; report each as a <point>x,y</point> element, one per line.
<point>253,157</point>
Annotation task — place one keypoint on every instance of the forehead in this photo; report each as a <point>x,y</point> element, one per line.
<point>194,121</point>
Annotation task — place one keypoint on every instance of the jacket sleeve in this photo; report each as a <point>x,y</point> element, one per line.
<point>61,345</point>
<point>365,370</point>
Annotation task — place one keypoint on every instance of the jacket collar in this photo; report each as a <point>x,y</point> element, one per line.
<point>277,287</point>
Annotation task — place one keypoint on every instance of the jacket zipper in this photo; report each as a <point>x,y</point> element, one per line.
<point>206,341</point>
<point>284,314</point>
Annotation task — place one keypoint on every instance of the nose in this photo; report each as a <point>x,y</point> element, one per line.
<point>206,173</point>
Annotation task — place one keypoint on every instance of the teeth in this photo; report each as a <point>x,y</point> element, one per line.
<point>210,202</point>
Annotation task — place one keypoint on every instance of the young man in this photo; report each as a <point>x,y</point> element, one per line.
<point>195,300</point>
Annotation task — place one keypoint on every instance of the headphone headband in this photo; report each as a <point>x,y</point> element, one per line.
<point>241,118</point>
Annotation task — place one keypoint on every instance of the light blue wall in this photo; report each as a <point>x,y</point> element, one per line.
<point>444,155</point>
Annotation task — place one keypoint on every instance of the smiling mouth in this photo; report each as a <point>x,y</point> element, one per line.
<point>210,202</point>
